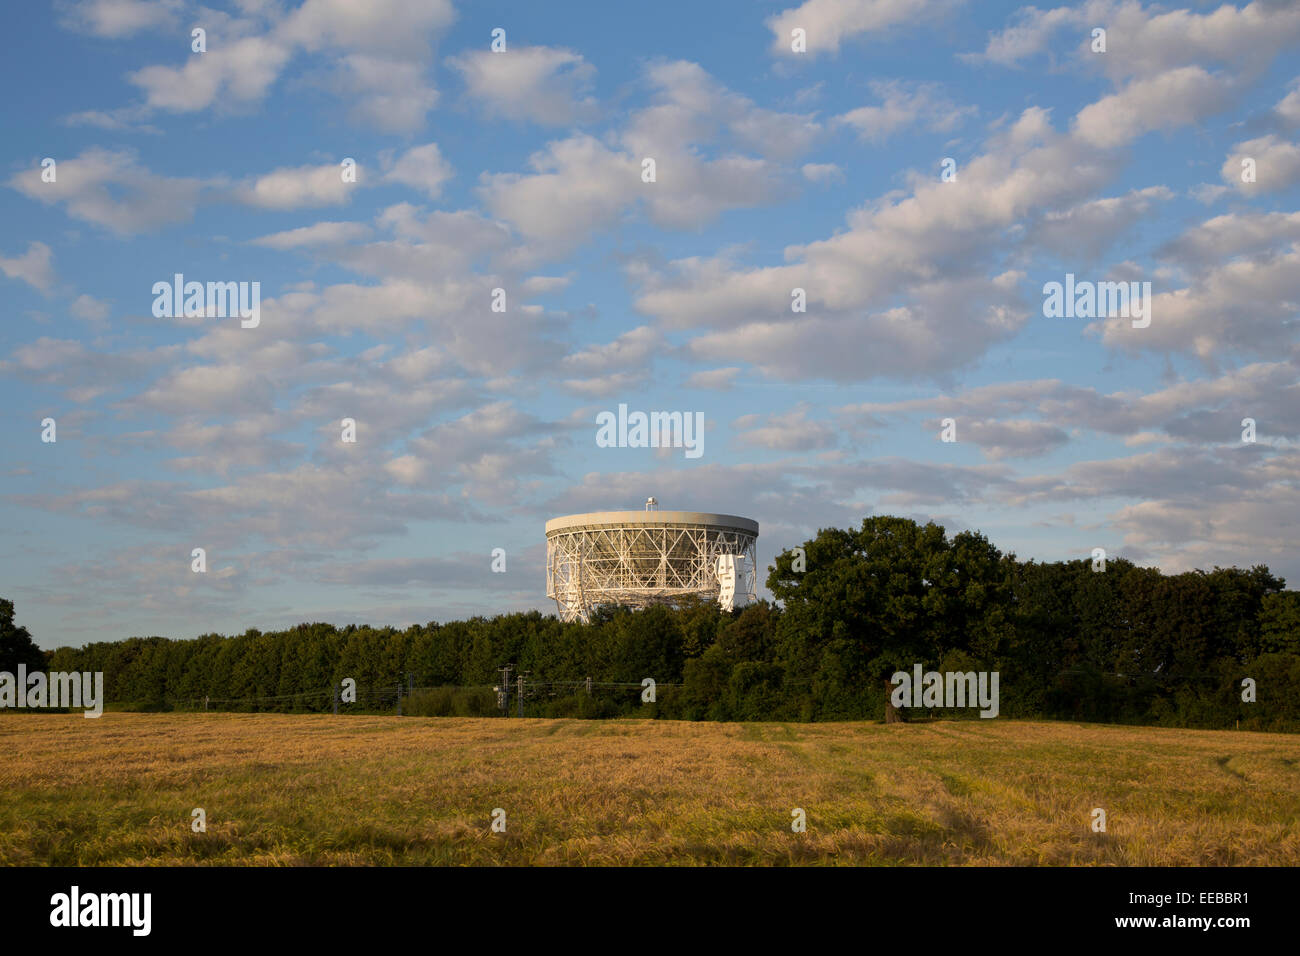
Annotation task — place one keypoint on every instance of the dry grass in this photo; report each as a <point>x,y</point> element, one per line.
<point>382,790</point>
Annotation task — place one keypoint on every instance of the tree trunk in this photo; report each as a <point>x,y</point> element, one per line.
<point>893,715</point>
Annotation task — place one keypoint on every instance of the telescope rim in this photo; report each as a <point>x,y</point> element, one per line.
<point>595,520</point>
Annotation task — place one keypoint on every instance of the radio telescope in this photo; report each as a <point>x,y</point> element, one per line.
<point>639,558</point>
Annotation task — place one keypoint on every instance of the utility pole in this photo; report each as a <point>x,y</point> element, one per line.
<point>503,690</point>
<point>399,700</point>
<point>588,686</point>
<point>522,675</point>
<point>336,700</point>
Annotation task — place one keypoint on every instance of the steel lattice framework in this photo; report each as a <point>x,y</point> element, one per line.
<point>639,558</point>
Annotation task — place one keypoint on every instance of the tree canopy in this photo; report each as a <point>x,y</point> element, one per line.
<point>1126,643</point>
<point>16,644</point>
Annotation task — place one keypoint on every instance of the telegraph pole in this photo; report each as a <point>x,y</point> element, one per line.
<point>503,690</point>
<point>522,675</point>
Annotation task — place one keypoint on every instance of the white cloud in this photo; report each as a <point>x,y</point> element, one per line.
<point>1144,41</point>
<point>902,105</point>
<point>119,120</point>
<point>582,185</point>
<point>540,84</point>
<point>633,349</point>
<point>788,431</point>
<point>948,324</point>
<point>248,441</point>
<point>317,234</point>
<point>89,309</point>
<point>201,388</point>
<point>378,56</point>
<point>1288,108</point>
<point>1164,101</point>
<point>422,168</point>
<point>83,374</point>
<point>399,28</point>
<point>111,189</point>
<point>1201,410</point>
<point>115,19</point>
<point>822,172</point>
<point>392,96</point>
<point>578,186</point>
<point>300,187</point>
<point>407,469</point>
<point>1089,228</point>
<point>1027,36</point>
<point>1011,438</point>
<point>232,73</point>
<point>386,54</point>
<point>1230,235</point>
<point>721,379</point>
<point>828,23</point>
<point>603,386</point>
<point>1277,165</point>
<point>1240,307</point>
<point>35,267</point>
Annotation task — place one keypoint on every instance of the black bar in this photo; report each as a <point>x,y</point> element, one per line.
<point>982,906</point>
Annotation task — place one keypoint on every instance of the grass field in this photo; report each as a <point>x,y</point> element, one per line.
<point>284,790</point>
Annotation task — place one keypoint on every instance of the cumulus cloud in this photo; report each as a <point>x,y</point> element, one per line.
<point>81,372</point>
<point>232,73</point>
<point>1230,235</point>
<point>298,187</point>
<point>1276,165</point>
<point>35,266</point>
<point>577,186</point>
<point>1091,227</point>
<point>822,172</point>
<point>115,19</point>
<point>581,185</point>
<point>788,431</point>
<point>902,105</point>
<point>1148,40</point>
<point>317,234</point>
<point>250,441</point>
<point>1164,101</point>
<point>633,349</point>
<point>394,97</point>
<point>829,23</point>
<point>1287,109</point>
<point>1205,411</point>
<point>89,309</point>
<point>720,379</point>
<point>110,188</point>
<point>421,168</point>
<point>1011,438</point>
<point>378,56</point>
<point>399,28</point>
<point>1028,35</point>
<point>539,84</point>
<point>935,252</point>
<point>1239,307</point>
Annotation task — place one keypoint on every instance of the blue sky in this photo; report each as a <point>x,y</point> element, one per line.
<point>521,170</point>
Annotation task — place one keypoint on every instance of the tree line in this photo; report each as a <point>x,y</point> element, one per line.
<point>1068,639</point>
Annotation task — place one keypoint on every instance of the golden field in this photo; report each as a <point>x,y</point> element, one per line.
<point>323,790</point>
